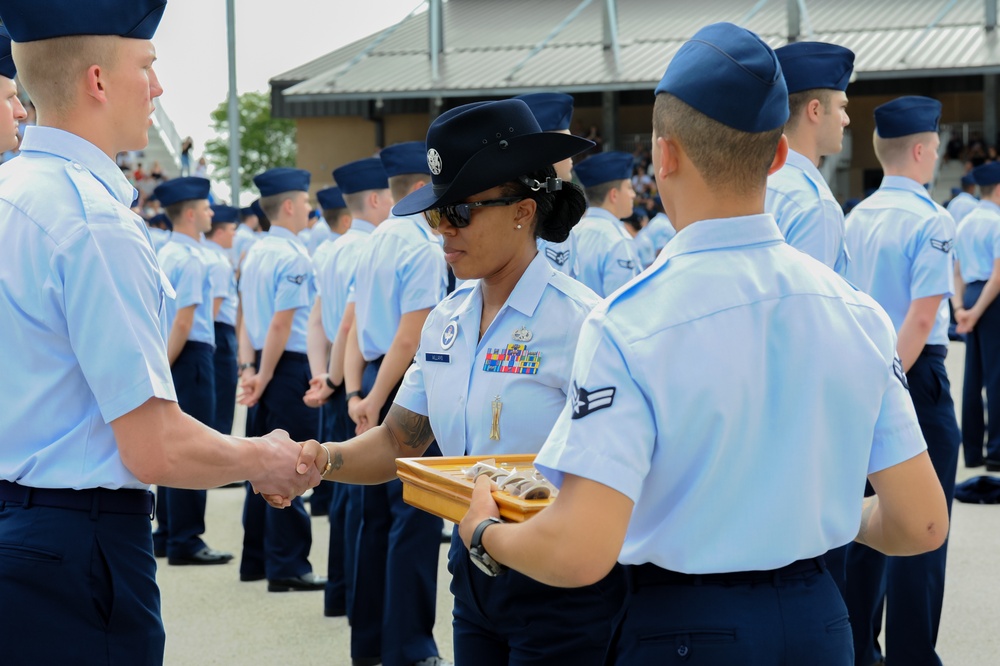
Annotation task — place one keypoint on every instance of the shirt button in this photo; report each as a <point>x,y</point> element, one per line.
<point>76,165</point>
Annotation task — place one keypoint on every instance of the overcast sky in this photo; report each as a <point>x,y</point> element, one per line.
<point>272,37</point>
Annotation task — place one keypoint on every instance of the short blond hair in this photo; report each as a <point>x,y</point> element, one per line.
<point>895,152</point>
<point>800,100</point>
<point>50,70</point>
<point>399,186</point>
<point>271,205</point>
<point>728,159</point>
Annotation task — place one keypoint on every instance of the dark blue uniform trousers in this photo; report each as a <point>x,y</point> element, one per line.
<point>912,588</point>
<point>395,583</point>
<point>79,586</point>
<point>784,618</point>
<point>513,620</point>
<point>336,426</point>
<point>180,512</point>
<point>982,368</point>
<point>226,376</point>
<point>276,542</point>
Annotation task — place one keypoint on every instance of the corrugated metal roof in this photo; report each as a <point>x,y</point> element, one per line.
<point>485,42</point>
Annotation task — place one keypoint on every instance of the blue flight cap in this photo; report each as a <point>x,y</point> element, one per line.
<point>32,20</point>
<point>968,179</point>
<point>188,188</point>
<point>811,65</point>
<point>7,67</point>
<point>313,214</point>
<point>987,174</point>
<point>330,198</point>
<point>282,179</point>
<point>161,218</point>
<point>257,210</point>
<point>246,212</point>
<point>725,57</point>
<point>552,110</point>
<point>908,115</point>
<point>222,214</point>
<point>406,157</point>
<point>604,168</point>
<point>361,175</point>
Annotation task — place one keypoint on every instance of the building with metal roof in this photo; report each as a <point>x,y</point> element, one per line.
<point>611,53</point>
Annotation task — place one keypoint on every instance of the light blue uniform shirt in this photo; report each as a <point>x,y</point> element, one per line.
<point>977,243</point>
<point>400,269</point>
<point>82,301</point>
<point>336,263</point>
<point>277,276</point>
<point>605,253</point>
<point>455,380</point>
<point>241,243</point>
<point>738,392</point>
<point>962,205</point>
<point>900,243</point>
<point>644,250</point>
<point>160,237</point>
<point>807,212</point>
<point>659,230</point>
<point>560,256</point>
<point>319,234</point>
<point>187,265</point>
<point>223,278</point>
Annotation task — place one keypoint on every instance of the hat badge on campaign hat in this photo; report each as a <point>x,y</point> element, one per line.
<point>474,147</point>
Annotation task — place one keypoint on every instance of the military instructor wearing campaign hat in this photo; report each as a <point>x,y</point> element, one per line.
<point>90,414</point>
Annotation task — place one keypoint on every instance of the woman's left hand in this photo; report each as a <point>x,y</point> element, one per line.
<point>482,507</point>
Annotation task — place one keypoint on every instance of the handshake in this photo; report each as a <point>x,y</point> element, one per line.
<point>287,468</point>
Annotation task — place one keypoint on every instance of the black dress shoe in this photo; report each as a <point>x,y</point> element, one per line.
<point>204,556</point>
<point>251,577</point>
<point>159,552</point>
<point>304,583</point>
<point>334,612</point>
<point>366,661</point>
<point>992,465</point>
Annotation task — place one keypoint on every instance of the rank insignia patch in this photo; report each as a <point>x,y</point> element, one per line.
<point>559,257</point>
<point>297,279</point>
<point>514,359</point>
<point>897,367</point>
<point>943,245</point>
<point>586,402</point>
<point>626,263</point>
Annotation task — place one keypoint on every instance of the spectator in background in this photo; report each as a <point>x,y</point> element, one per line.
<point>186,146</point>
<point>201,170</point>
<point>642,183</point>
<point>156,174</point>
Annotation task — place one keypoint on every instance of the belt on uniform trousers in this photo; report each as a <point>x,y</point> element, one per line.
<point>935,350</point>
<point>285,355</point>
<point>648,575</point>
<point>95,500</point>
<point>194,346</point>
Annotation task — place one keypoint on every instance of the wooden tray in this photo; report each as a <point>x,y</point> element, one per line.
<point>438,486</point>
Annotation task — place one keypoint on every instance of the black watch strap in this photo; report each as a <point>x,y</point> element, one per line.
<point>353,394</point>
<point>477,534</point>
<point>330,385</point>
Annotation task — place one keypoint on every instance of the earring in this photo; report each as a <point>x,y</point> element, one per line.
<point>519,226</point>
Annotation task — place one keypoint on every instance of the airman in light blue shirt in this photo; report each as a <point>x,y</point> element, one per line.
<point>798,196</point>
<point>965,202</point>
<point>187,265</point>
<point>659,230</point>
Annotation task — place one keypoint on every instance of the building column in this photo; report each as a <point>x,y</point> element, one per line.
<point>609,119</point>
<point>991,89</point>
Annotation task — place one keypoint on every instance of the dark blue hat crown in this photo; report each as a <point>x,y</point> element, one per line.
<point>968,179</point>
<point>282,179</point>
<point>987,174</point>
<point>176,190</point>
<point>811,65</point>
<point>361,175</point>
<point>257,210</point>
<point>222,214</point>
<point>32,20</point>
<point>474,147</point>
<point>330,198</point>
<point>246,212</point>
<point>161,218</point>
<point>7,67</point>
<point>908,115</point>
<point>729,74</point>
<point>604,168</point>
<point>552,110</point>
<point>406,157</point>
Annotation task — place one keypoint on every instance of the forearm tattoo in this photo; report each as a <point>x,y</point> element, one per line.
<point>409,429</point>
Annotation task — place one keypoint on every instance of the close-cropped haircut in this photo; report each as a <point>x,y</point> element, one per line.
<point>894,151</point>
<point>598,193</point>
<point>176,211</point>
<point>728,159</point>
<point>50,69</point>
<point>399,186</point>
<point>333,214</point>
<point>271,205</point>
<point>356,201</point>
<point>798,101</point>
<point>987,190</point>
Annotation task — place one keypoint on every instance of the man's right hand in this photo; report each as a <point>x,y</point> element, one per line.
<point>286,473</point>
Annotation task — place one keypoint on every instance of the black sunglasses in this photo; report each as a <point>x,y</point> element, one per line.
<point>460,215</point>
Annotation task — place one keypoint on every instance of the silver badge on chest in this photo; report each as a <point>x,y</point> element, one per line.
<point>449,335</point>
<point>522,335</point>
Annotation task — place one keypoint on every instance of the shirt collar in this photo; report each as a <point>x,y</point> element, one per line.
<point>212,244</point>
<point>184,239</point>
<point>597,211</point>
<point>717,234</point>
<point>527,292</point>
<point>364,226</point>
<point>800,161</point>
<point>78,150</point>
<point>907,184</point>
<point>990,206</point>
<point>281,232</point>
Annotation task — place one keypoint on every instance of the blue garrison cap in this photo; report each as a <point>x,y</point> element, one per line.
<point>247,212</point>
<point>161,218</point>
<point>257,210</point>
<point>362,175</point>
<point>31,20</point>
<point>330,198</point>
<point>407,157</point>
<point>223,214</point>
<point>733,77</point>
<point>604,168</point>
<point>187,188</point>
<point>282,179</point>
<point>987,174</point>
<point>553,111</point>
<point>810,65</point>
<point>7,67</point>
<point>313,214</point>
<point>968,179</point>
<point>908,115</point>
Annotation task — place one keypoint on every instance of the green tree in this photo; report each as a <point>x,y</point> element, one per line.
<point>265,142</point>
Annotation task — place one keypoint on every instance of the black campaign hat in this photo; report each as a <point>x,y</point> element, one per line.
<point>477,146</point>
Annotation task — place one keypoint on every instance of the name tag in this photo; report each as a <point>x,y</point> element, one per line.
<point>437,358</point>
